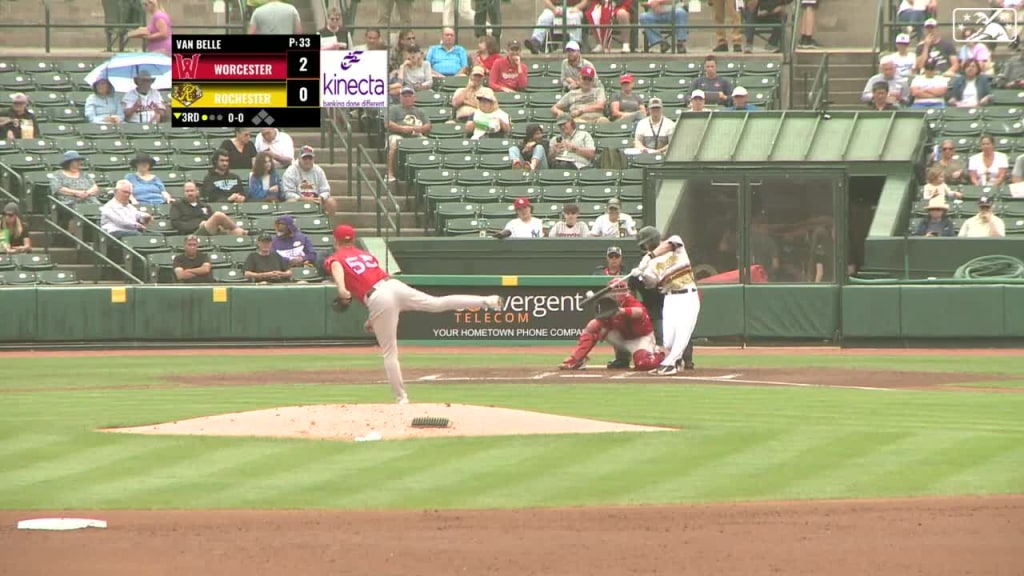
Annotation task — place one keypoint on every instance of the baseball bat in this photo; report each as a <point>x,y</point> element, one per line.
<point>597,295</point>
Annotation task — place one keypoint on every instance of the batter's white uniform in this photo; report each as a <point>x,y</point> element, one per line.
<point>672,273</point>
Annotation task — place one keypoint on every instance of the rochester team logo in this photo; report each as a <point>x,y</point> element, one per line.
<point>187,94</point>
<point>985,25</point>
<point>354,78</point>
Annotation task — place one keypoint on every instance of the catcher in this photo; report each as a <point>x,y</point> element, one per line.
<point>623,321</point>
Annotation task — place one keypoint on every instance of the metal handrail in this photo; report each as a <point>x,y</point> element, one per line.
<point>876,43</point>
<point>817,96</point>
<point>335,136</point>
<point>789,55</point>
<point>376,183</point>
<point>102,237</point>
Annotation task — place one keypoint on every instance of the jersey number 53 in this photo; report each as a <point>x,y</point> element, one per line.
<point>361,263</point>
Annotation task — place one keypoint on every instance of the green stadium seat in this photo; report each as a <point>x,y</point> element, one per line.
<point>556,176</point>
<point>762,82</point>
<point>188,162</point>
<point>172,178</point>
<point>438,114</point>
<point>161,225</point>
<point>62,129</point>
<point>590,209</point>
<point>613,143</point>
<point>631,176</point>
<point>511,100</point>
<point>633,208</point>
<point>953,113</point>
<point>597,176</point>
<point>598,193</point>
<point>1012,208</point>
<point>79,144</point>
<point>762,67</point>
<point>483,194</point>
<point>8,66</point>
<point>1000,97</point>
<point>420,161</point>
<point>510,193</point>
<point>132,130</point>
<point>499,213</point>
<point>434,177</point>
<point>645,160</point>
<point>608,71</point>
<point>537,68</point>
<point>536,85</point>
<point>442,132</point>
<point>1004,143</point>
<point>219,259</point>
<point>998,128</point>
<point>476,177</point>
<point>33,262</point>
<point>18,278</point>
<point>547,210</point>
<point>454,146</point>
<point>113,145</point>
<point>972,193</point>
<point>229,243</point>
<point>631,192</point>
<point>466,227</point>
<point>685,68</point>
<point>612,130</point>
<point>25,162</point>
<point>53,160</point>
<point>430,98</point>
<point>53,80</point>
<point>449,84</point>
<point>40,145</point>
<point>38,66</point>
<point>109,162</point>
<point>190,146</point>
<point>49,100</point>
<point>761,97</point>
<point>146,244</point>
<point>211,134</point>
<point>177,243</point>
<point>161,266</point>
<point>457,161</point>
<point>674,83</point>
<point>229,276</point>
<point>76,66</point>
<point>1014,226</point>
<point>448,210</point>
<point>16,81</point>
<point>513,177</point>
<point>645,69</point>
<point>437,194</point>
<point>730,68</point>
<point>1012,113</point>
<point>494,162</point>
<point>673,98</point>
<point>559,194</point>
<point>306,274</point>
<point>57,277</point>
<point>157,210</point>
<point>256,209</point>
<point>293,207</point>
<point>313,224</point>
<point>520,115</point>
<point>90,212</point>
<point>322,243</point>
<point>6,263</point>
<point>9,147</point>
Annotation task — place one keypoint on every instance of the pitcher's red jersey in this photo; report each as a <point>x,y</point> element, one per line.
<point>362,270</point>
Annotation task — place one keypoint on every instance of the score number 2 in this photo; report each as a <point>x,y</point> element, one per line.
<point>361,263</point>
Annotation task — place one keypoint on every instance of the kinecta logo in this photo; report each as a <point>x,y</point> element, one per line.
<point>354,79</point>
<point>521,309</point>
<point>337,86</point>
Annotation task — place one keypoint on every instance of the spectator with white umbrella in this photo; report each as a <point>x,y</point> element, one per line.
<point>144,104</point>
<point>122,69</point>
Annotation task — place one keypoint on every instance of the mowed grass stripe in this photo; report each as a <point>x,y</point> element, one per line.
<point>15,445</point>
<point>1002,473</point>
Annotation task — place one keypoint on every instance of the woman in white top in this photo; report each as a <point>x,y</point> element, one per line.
<point>988,167</point>
<point>929,89</point>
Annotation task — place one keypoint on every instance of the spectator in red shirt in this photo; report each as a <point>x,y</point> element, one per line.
<point>509,74</point>
<point>488,52</point>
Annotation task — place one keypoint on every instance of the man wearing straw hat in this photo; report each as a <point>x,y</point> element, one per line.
<point>143,104</point>
<point>938,223</point>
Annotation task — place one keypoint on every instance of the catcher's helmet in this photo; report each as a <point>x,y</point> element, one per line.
<point>648,237</point>
<point>619,289</point>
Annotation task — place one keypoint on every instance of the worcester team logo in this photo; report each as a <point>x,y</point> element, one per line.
<point>187,94</point>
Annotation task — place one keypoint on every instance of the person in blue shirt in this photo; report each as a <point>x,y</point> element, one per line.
<point>104,106</point>
<point>265,182</point>
<point>147,188</point>
<point>448,58</point>
<point>739,100</point>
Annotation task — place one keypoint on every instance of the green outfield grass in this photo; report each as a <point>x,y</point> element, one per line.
<point>737,443</point>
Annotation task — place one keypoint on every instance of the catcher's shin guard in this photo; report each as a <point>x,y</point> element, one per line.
<point>647,360</point>
<point>591,335</point>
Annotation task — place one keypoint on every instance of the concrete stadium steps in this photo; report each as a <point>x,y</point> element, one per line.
<point>848,70</point>
<point>64,258</point>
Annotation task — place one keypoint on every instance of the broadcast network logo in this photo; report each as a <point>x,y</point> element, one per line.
<point>353,78</point>
<point>997,25</point>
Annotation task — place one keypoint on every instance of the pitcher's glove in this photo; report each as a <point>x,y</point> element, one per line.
<point>340,305</point>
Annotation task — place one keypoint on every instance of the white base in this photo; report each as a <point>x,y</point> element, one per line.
<point>60,524</point>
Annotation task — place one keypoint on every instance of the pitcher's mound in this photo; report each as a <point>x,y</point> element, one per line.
<point>390,421</point>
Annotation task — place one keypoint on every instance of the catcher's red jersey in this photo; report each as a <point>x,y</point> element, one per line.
<point>629,327</point>
<point>362,270</point>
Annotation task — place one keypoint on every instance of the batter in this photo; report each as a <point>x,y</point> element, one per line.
<point>358,275</point>
<point>668,268</point>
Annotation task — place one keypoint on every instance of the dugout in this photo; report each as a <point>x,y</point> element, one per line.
<point>786,189</point>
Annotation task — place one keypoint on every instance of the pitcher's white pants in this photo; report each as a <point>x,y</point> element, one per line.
<point>679,318</point>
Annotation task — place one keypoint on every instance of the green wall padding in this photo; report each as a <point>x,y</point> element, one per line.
<point>83,314</point>
<point>871,311</point>
<point>799,311</point>
<point>181,313</point>
<point>18,307</point>
<point>279,312</point>
<point>721,311</point>
<point>957,312</point>
<point>1013,310</point>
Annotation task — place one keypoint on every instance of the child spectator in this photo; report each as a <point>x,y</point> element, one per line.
<point>487,52</point>
<point>532,147</point>
<point>570,226</point>
<point>936,186</point>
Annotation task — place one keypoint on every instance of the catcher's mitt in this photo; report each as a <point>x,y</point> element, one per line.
<point>605,308</point>
<point>339,305</point>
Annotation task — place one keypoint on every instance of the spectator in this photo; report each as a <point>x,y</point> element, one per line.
<point>484,10</point>
<point>532,147</point>
<point>936,186</point>
<point>914,13</point>
<point>147,188</point>
<point>1012,73</point>
<point>953,169</point>
<point>465,9</point>
<point>929,89</point>
<point>509,74</point>
<point>988,167</point>
<point>984,224</point>
<point>719,9</point>
<point>192,266</point>
<point>264,183</point>
<point>938,50</point>
<point>275,17</point>
<point>585,102</point>
<point>14,236</point>
<point>977,51</point>
<point>489,121</point>
<point>573,65</point>
<point>464,101</point>
<point>220,184</point>
<point>573,18</point>
<point>627,105</point>
<point>240,148</point>
<point>415,71</point>
<point>19,123</point>
<point>613,223</point>
<point>570,226</point>
<point>448,58</point>
<point>905,62</point>
<point>279,144</point>
<point>880,97</point>
<point>406,39</point>
<point>807,24</point>
<point>822,241</point>
<point>654,133</point>
<point>371,41</point>
<point>71,184</point>
<point>292,245</point>
<point>573,148</point>
<point>899,90</point>
<point>103,106</point>
<point>120,218</point>
<point>156,34</point>
<point>761,13</point>
<point>605,17</point>
<point>487,53</point>
<point>307,182</point>
<point>715,88</point>
<point>334,36</point>
<point>144,104</point>
<point>665,13</point>
<point>739,100</point>
<point>191,216</point>
<point>404,121</point>
<point>612,263</point>
<point>264,266</point>
<point>404,13</point>
<point>524,225</point>
<point>971,89</point>
<point>697,101</point>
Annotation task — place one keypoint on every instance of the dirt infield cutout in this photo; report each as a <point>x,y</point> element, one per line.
<point>347,422</point>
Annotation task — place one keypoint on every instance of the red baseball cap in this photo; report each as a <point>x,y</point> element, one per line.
<point>344,232</point>
<point>521,203</point>
<point>627,77</point>
<point>588,72</point>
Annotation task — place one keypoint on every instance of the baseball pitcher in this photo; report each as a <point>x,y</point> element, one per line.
<point>668,268</point>
<point>623,321</point>
<point>358,274</point>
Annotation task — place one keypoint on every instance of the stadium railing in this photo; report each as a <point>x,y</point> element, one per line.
<point>817,95</point>
<point>101,240</point>
<point>389,212</point>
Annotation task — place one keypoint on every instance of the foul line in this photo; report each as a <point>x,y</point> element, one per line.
<point>627,375</point>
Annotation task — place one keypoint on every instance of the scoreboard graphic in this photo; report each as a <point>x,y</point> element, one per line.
<point>267,81</point>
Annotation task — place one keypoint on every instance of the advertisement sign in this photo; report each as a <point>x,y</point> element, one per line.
<point>530,313</point>
<point>354,78</point>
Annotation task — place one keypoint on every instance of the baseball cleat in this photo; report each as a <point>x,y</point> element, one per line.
<point>617,365</point>
<point>664,371</point>
<point>403,400</point>
<point>689,366</point>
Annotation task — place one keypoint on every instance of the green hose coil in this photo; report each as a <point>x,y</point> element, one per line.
<point>991,267</point>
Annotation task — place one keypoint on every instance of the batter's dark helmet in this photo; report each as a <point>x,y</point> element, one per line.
<point>648,237</point>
